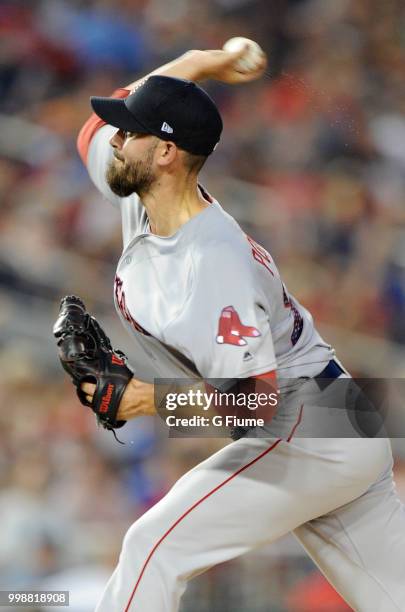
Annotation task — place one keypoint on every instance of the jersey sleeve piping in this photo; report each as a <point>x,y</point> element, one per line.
<point>92,125</point>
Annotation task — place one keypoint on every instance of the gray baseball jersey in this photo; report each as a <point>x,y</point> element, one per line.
<point>207,301</point>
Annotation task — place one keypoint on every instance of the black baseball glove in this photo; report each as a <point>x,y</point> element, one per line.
<point>86,354</point>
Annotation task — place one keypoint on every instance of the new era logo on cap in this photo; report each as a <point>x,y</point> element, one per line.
<point>166,128</point>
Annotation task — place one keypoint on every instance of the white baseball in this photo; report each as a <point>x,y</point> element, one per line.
<point>250,58</point>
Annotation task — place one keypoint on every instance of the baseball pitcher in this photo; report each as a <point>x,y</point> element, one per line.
<point>203,300</point>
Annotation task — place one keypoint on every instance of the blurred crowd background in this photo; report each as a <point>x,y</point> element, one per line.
<point>312,163</point>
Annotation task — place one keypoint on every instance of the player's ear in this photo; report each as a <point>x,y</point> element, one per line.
<point>167,153</point>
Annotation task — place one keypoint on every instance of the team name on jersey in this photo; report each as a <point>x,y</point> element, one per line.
<point>262,257</point>
<point>260,254</point>
<point>121,303</point>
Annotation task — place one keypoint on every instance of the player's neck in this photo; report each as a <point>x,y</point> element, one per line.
<point>171,204</point>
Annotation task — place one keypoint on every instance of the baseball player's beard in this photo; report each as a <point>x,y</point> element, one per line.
<point>126,178</point>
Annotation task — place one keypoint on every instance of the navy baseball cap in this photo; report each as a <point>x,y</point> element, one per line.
<point>171,109</point>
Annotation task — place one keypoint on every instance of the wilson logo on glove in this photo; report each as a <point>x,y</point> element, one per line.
<point>106,399</point>
<point>117,360</point>
<point>231,330</point>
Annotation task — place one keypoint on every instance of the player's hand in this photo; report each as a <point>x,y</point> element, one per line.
<point>218,64</point>
<point>137,400</point>
<point>221,66</point>
<point>88,389</point>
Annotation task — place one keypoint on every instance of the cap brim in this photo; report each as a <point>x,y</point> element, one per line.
<point>114,112</point>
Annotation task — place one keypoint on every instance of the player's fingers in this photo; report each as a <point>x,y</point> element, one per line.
<point>254,71</point>
<point>235,55</point>
<point>88,388</point>
<point>226,59</point>
<point>248,75</point>
<point>259,65</point>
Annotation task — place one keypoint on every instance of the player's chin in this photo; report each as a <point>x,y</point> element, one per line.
<point>121,190</point>
<point>117,181</point>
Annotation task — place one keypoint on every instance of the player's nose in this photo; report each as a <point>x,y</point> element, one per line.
<point>117,140</point>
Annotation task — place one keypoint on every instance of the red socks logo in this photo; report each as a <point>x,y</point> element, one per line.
<point>231,330</point>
